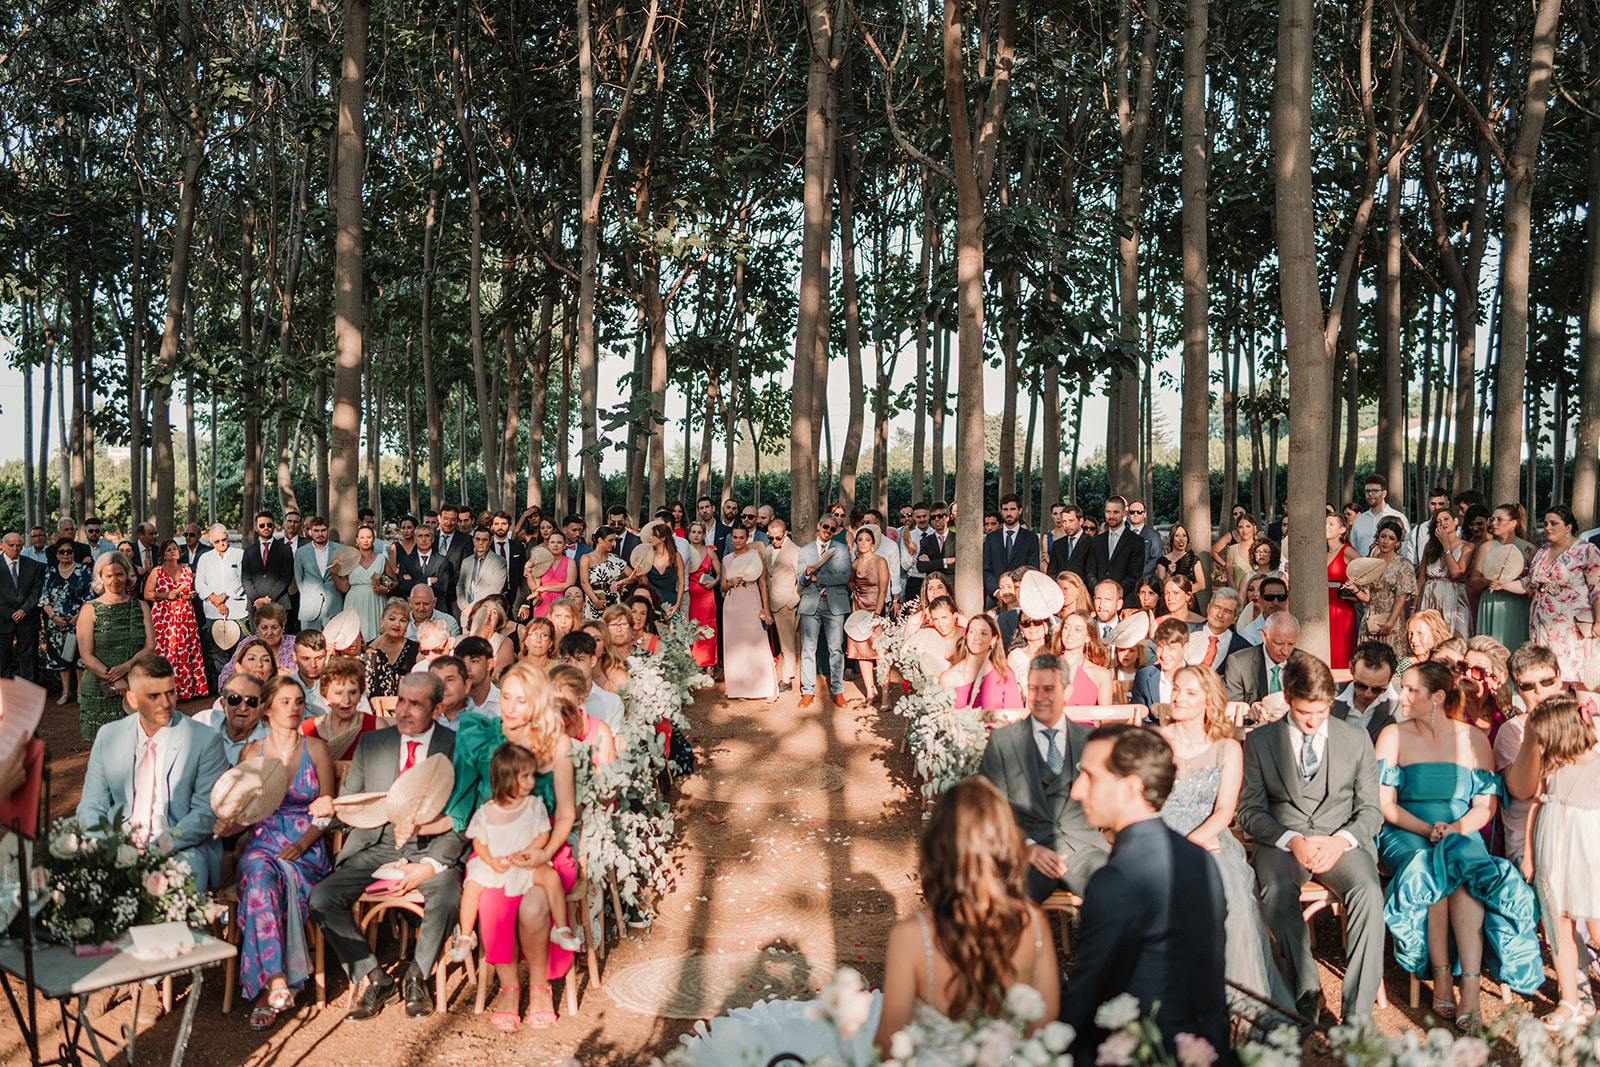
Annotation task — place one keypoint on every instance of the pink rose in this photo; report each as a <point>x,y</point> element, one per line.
<point>1117,1050</point>
<point>1196,1051</point>
<point>155,883</point>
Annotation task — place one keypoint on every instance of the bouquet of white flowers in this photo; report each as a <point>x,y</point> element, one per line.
<point>101,882</point>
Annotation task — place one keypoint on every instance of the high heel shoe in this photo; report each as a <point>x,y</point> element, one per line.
<point>1468,1019</point>
<point>1443,1008</point>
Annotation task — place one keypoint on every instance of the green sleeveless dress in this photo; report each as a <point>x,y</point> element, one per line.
<point>118,635</point>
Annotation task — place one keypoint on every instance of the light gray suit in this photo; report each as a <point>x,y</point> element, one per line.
<point>783,594</point>
<point>1275,799</point>
<point>824,602</point>
<point>480,578</point>
<point>192,761</point>
<point>320,599</point>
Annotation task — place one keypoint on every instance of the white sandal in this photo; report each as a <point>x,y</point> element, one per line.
<point>462,945</point>
<point>1576,1011</point>
<point>566,938</point>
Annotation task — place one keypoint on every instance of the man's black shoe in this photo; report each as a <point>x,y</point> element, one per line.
<point>419,1002</point>
<point>378,990</point>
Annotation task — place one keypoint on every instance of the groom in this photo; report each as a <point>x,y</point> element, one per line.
<point>1310,801</point>
<point>824,602</point>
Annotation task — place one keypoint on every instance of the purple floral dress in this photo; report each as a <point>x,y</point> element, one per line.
<point>272,920</point>
<point>1563,587</point>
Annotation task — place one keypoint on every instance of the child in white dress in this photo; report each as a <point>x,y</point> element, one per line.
<point>514,820</point>
<point>1562,850</point>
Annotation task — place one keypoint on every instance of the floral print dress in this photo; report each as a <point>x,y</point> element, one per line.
<point>1399,580</point>
<point>65,596</point>
<point>177,634</point>
<point>1563,587</point>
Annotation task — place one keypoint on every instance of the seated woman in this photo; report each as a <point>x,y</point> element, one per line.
<point>979,934</point>
<point>564,615</point>
<point>1074,594</point>
<point>569,688</point>
<point>1124,663</point>
<point>1201,805</point>
<point>539,643</point>
<point>979,676</point>
<point>1034,637</point>
<point>934,586</point>
<point>1177,596</point>
<point>1148,595</point>
<point>528,718</point>
<point>342,683</point>
<point>642,611</point>
<point>282,858</point>
<point>1437,789</point>
<point>1424,632</point>
<point>617,642</point>
<point>392,655</point>
<point>487,620</point>
<point>1083,658</point>
<point>258,659</point>
<point>271,622</point>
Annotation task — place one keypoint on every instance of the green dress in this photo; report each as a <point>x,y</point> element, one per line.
<point>118,635</point>
<point>1504,616</point>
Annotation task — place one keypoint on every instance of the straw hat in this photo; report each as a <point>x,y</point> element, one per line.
<point>644,531</point>
<point>1365,570</point>
<point>1130,632</point>
<point>746,565</point>
<point>226,633</point>
<point>641,557</point>
<point>363,811</point>
<point>1502,563</point>
<point>348,558</point>
<point>419,795</point>
<point>540,560</point>
<point>343,630</point>
<point>251,791</point>
<point>1038,597</point>
<point>858,625</point>
<point>1274,706</point>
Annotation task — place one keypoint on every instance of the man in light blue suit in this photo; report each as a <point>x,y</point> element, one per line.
<point>157,768</point>
<point>824,602</point>
<point>320,599</point>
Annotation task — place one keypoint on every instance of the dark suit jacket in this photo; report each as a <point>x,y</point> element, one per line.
<point>1044,810</point>
<point>412,572</point>
<point>1125,568</point>
<point>22,595</point>
<point>1382,715</point>
<point>373,768</point>
<point>996,560</point>
<point>1245,676</point>
<point>1343,795</point>
<point>1146,687</point>
<point>515,587</point>
<point>460,547</point>
<point>935,560</point>
<point>184,556</point>
<point>269,580</point>
<point>1074,558</point>
<point>1151,925</point>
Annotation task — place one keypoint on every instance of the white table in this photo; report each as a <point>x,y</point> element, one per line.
<point>62,975</point>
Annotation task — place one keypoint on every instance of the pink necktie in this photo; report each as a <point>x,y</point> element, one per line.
<point>264,547</point>
<point>144,791</point>
<point>411,756</point>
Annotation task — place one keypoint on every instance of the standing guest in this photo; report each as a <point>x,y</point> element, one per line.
<point>548,575</point>
<point>572,528</point>
<point>1153,916</point>
<point>38,548</point>
<point>428,857</point>
<point>749,518</point>
<point>747,666</point>
<point>783,598</point>
<point>21,585</point>
<point>343,689</point>
<point>1009,547</point>
<point>1219,551</point>
<point>1387,598</point>
<point>144,550</point>
<point>602,574</point>
<point>310,656</point>
<point>824,602</point>
<point>193,545</point>
<point>1310,801</point>
<point>98,545</point>
<point>1371,700</point>
<point>1069,552</point>
<point>980,676</point>
<point>169,590</point>
<point>283,857</point>
<point>1564,579</point>
<point>1138,523</point>
<point>1235,563</point>
<point>421,606</point>
<point>1503,605</point>
<point>1341,613</point>
<point>427,567</point>
<point>1266,558</point>
<point>268,569</point>
<point>1116,554</point>
<point>539,644</point>
<point>680,517</point>
<point>114,630</point>
<point>1083,664</point>
<point>705,575</point>
<point>869,590</point>
<point>665,575</point>
<point>391,656</point>
<point>1536,677</point>
<point>156,767</point>
<point>1442,572</point>
<point>320,597</point>
<point>217,581</point>
<point>365,589</point>
<point>483,574</point>
<point>726,521</point>
<point>1417,539</point>
<point>513,552</point>
<point>628,538</point>
<point>452,542</point>
<point>1364,531</point>
<point>1201,806</point>
<point>979,934</point>
<point>236,715</point>
<point>67,585</point>
<point>913,525</point>
<point>1437,790</point>
<point>1179,559</point>
<point>271,621</point>
<point>400,549</point>
<point>890,552</point>
<point>936,550</point>
<point>67,529</point>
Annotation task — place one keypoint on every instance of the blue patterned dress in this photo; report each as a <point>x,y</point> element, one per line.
<point>65,596</point>
<point>273,922</point>
<point>1425,874</point>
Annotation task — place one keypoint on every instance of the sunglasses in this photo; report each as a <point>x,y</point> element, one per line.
<point>748,518</point>
<point>233,700</point>
<point>939,515</point>
<point>827,527</point>
<point>1469,670</point>
<point>1028,624</point>
<point>1275,598</point>
<point>1537,683</point>
<point>1369,688</point>
<point>1136,511</point>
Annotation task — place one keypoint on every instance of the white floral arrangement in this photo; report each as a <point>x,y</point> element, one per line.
<point>101,881</point>
<point>946,742</point>
<point>627,823</point>
<point>1576,1043</point>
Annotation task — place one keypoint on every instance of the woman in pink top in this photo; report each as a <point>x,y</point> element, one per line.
<point>1080,647</point>
<point>979,676</point>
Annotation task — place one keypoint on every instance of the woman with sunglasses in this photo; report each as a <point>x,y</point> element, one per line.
<point>67,587</point>
<point>1033,637</point>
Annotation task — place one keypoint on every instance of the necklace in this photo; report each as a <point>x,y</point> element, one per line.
<point>279,756</point>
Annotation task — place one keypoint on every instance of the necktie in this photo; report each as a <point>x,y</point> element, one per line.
<point>1308,756</point>
<point>505,550</point>
<point>1052,754</point>
<point>411,756</point>
<point>16,579</point>
<point>144,790</point>
<point>1276,684</point>
<point>423,559</point>
<point>264,547</point>
<point>1011,540</point>
<point>1210,658</point>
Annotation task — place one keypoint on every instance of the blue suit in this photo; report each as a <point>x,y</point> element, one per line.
<point>1146,687</point>
<point>824,602</point>
<point>320,599</point>
<point>193,761</point>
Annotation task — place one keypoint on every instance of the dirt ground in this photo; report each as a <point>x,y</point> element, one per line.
<point>796,854</point>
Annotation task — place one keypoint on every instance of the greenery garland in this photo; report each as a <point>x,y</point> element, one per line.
<point>946,742</point>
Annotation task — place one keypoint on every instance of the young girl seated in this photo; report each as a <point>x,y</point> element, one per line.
<point>513,821</point>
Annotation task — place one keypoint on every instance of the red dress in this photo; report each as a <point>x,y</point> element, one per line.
<point>177,635</point>
<point>1341,616</point>
<point>703,610</point>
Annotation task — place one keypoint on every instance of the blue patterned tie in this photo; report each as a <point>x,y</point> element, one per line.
<point>1308,756</point>
<point>1052,754</point>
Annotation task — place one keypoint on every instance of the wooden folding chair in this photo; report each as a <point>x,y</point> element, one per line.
<point>1314,897</point>
<point>1065,905</point>
<point>1098,714</point>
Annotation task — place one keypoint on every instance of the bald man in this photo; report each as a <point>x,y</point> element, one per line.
<point>219,583</point>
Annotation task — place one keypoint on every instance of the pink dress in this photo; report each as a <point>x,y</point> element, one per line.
<point>703,610</point>
<point>560,571</point>
<point>1563,587</point>
<point>994,691</point>
<point>1085,693</point>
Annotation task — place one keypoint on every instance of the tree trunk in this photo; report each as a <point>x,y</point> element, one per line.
<point>539,399</point>
<point>344,452</point>
<point>1586,464</point>
<point>1391,390</point>
<point>1302,316</point>
<point>847,170</point>
<point>431,393</point>
<point>1194,458</point>
<point>563,490</point>
<point>919,425</point>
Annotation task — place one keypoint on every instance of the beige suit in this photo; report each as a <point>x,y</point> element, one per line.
<point>783,595</point>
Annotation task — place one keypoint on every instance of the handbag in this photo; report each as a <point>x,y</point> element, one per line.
<point>69,648</point>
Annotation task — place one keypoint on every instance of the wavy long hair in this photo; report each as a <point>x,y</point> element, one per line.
<point>973,868</point>
<point>1218,723</point>
<point>541,733</point>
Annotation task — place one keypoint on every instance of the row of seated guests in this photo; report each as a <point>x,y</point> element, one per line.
<point>1319,801</point>
<point>157,768</point>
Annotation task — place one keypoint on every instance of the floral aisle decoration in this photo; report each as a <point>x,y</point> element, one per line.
<point>1575,1044</point>
<point>947,743</point>
<point>101,882</point>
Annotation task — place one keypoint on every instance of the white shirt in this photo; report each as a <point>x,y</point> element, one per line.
<point>1416,541</point>
<point>217,719</point>
<point>490,708</point>
<point>320,553</point>
<point>1043,742</point>
<point>100,548</point>
<point>219,572</point>
<point>314,702</point>
<point>439,616</point>
<point>605,706</point>
<point>1361,718</point>
<point>908,547</point>
<point>1199,641</point>
<point>1365,529</point>
<point>424,739</point>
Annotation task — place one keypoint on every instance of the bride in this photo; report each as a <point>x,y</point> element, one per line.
<point>979,934</point>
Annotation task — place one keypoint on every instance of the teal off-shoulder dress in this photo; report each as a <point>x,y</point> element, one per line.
<point>1425,874</point>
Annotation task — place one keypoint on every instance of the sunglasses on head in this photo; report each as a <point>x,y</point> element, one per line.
<point>233,700</point>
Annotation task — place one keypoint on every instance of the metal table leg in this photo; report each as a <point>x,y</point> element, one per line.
<point>78,1027</point>
<point>184,1027</point>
